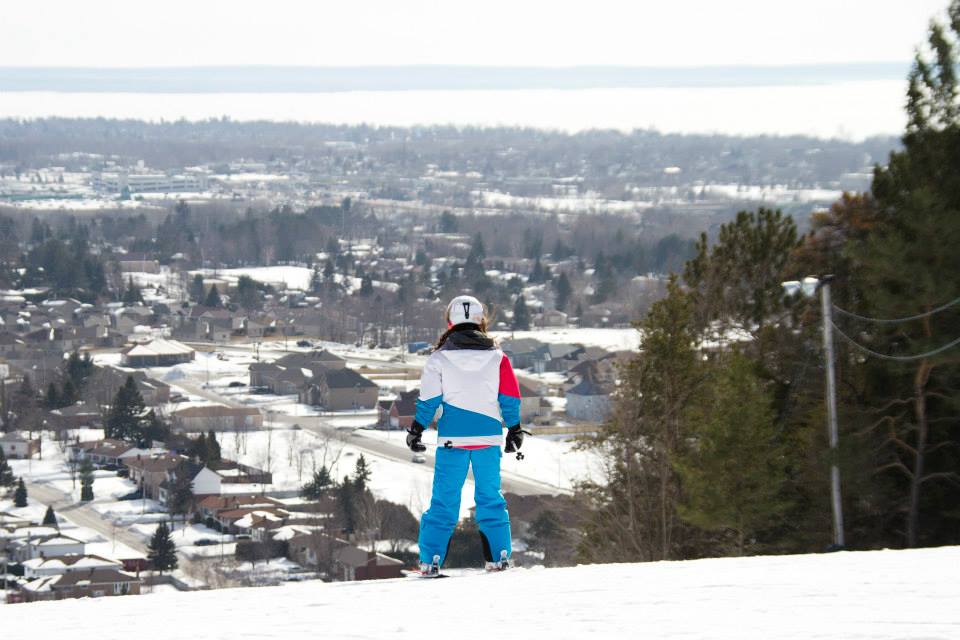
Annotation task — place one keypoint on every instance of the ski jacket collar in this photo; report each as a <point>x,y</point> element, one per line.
<point>467,337</point>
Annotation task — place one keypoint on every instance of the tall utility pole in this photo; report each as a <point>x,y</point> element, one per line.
<point>809,287</point>
<point>827,313</point>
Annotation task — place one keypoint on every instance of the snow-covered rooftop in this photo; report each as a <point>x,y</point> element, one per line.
<point>160,347</point>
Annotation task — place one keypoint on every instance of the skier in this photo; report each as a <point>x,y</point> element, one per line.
<point>474,383</point>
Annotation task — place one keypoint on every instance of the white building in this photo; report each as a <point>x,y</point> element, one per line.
<point>47,547</point>
<point>148,182</point>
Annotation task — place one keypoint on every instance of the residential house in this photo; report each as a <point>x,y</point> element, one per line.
<point>11,343</point>
<point>531,403</point>
<point>236,522</point>
<point>110,379</point>
<point>138,263</point>
<point>309,547</point>
<point>521,351</point>
<point>17,447</point>
<point>258,524</point>
<point>234,322</point>
<point>553,318</point>
<point>340,390</point>
<point>257,328</point>
<point>399,412</point>
<point>209,479</point>
<point>558,357</point>
<point>81,414</point>
<point>354,563</point>
<point>302,373</point>
<point>109,452</point>
<point>56,565</point>
<point>157,353</point>
<point>150,472</point>
<point>210,507</point>
<point>44,546</point>
<point>13,528</point>
<point>10,522</point>
<point>92,583</point>
<point>383,413</point>
<point>590,400</point>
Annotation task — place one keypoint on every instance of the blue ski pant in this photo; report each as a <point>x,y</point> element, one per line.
<point>439,521</point>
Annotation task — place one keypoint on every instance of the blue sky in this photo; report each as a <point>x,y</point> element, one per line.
<point>492,32</point>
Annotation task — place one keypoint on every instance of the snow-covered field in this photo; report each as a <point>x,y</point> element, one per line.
<point>294,454</point>
<point>288,277</point>
<point>610,339</point>
<point>879,595</point>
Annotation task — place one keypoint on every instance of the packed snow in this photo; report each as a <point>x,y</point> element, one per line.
<point>844,596</point>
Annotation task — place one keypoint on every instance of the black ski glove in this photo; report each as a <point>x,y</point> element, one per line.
<point>413,437</point>
<point>514,438</point>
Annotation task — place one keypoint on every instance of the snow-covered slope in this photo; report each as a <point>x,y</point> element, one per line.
<point>882,594</point>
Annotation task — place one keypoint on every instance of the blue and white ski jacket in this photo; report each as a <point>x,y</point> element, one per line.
<point>477,390</point>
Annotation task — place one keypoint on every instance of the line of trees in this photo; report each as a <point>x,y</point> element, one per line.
<point>717,444</point>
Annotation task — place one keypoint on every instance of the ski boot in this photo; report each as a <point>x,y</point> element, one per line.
<point>431,570</point>
<point>502,565</point>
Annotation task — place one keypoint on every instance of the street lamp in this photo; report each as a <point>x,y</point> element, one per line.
<point>809,287</point>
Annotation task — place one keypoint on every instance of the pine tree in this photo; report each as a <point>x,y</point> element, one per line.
<point>521,316</point>
<point>132,294</point>
<point>361,474</point>
<point>69,395</point>
<point>316,279</point>
<point>563,290</point>
<point>6,474</point>
<point>736,281</point>
<point>347,504</point>
<point>26,401</point>
<point>214,453</point>
<point>249,296</point>
<point>366,286</point>
<point>79,369</point>
<point>448,222</point>
<point>549,535</point>
<point>474,265</point>
<point>536,274</point>
<point>733,477</point>
<point>126,416</point>
<point>52,400</point>
<point>154,429</point>
<point>213,298</point>
<point>633,514</point>
<point>86,480</point>
<point>198,448</point>
<point>162,552</point>
<point>181,497</point>
<point>606,284</point>
<point>50,518</point>
<point>906,265</point>
<point>318,485</point>
<point>20,494</point>
<point>196,287</point>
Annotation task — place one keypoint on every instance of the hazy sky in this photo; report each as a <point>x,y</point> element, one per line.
<point>492,32</point>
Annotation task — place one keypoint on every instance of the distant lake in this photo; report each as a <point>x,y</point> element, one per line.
<point>843,109</point>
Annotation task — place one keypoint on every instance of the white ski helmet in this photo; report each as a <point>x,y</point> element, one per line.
<point>464,309</point>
